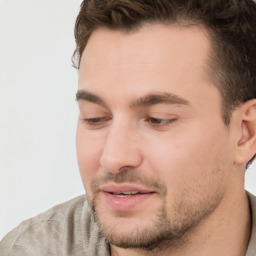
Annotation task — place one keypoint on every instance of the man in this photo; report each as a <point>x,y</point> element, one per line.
<point>166,128</point>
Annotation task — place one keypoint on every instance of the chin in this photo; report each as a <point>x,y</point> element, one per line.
<point>127,230</point>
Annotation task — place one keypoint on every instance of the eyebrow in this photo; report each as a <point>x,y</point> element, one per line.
<point>159,98</point>
<point>87,96</point>
<point>144,101</point>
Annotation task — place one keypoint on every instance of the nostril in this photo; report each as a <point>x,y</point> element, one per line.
<point>115,157</point>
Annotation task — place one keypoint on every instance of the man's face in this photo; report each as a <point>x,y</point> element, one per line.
<point>154,154</point>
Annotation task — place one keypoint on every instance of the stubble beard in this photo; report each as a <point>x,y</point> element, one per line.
<point>164,231</point>
<point>156,236</point>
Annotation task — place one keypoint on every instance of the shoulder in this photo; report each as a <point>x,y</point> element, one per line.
<point>54,232</point>
<point>252,203</point>
<point>252,244</point>
<point>251,197</point>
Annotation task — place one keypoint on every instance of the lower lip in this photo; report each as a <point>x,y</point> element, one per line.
<point>125,203</point>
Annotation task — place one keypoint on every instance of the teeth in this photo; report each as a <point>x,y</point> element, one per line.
<point>124,194</point>
<point>130,193</point>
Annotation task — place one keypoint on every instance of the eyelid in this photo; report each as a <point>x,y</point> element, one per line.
<point>95,120</point>
<point>164,120</point>
<point>92,109</point>
<point>160,121</point>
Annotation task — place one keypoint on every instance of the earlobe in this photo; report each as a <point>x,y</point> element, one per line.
<point>246,146</point>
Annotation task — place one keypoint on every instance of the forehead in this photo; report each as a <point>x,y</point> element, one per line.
<point>154,39</point>
<point>146,59</point>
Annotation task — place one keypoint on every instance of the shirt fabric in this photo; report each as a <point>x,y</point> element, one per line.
<point>68,229</point>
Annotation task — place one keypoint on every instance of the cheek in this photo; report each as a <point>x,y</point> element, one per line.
<point>88,155</point>
<point>188,158</point>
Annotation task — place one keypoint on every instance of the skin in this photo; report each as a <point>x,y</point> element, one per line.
<point>181,149</point>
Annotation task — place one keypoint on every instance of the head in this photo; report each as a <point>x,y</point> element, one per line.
<point>163,89</point>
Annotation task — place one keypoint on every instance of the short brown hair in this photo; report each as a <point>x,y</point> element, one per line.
<point>231,25</point>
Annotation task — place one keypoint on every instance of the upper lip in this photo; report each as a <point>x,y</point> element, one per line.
<point>118,189</point>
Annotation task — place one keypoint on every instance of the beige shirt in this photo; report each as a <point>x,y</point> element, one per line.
<point>68,229</point>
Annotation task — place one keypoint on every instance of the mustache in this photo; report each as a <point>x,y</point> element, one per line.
<point>128,176</point>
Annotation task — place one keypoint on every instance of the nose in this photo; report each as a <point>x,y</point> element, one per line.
<point>121,149</point>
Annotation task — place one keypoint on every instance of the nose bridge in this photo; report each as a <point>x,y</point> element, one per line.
<point>121,147</point>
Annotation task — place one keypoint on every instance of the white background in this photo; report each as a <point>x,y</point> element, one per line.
<point>38,112</point>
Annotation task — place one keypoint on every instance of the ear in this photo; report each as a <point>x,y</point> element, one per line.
<point>246,146</point>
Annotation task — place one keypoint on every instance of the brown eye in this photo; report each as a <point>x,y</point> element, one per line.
<point>159,121</point>
<point>95,121</point>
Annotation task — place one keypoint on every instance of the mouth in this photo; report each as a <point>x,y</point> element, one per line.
<point>128,193</point>
<point>125,190</point>
<point>125,197</point>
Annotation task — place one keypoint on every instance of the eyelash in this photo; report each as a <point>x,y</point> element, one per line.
<point>95,120</point>
<point>159,122</point>
<point>153,121</point>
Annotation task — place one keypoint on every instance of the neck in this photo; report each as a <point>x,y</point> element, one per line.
<point>225,232</point>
